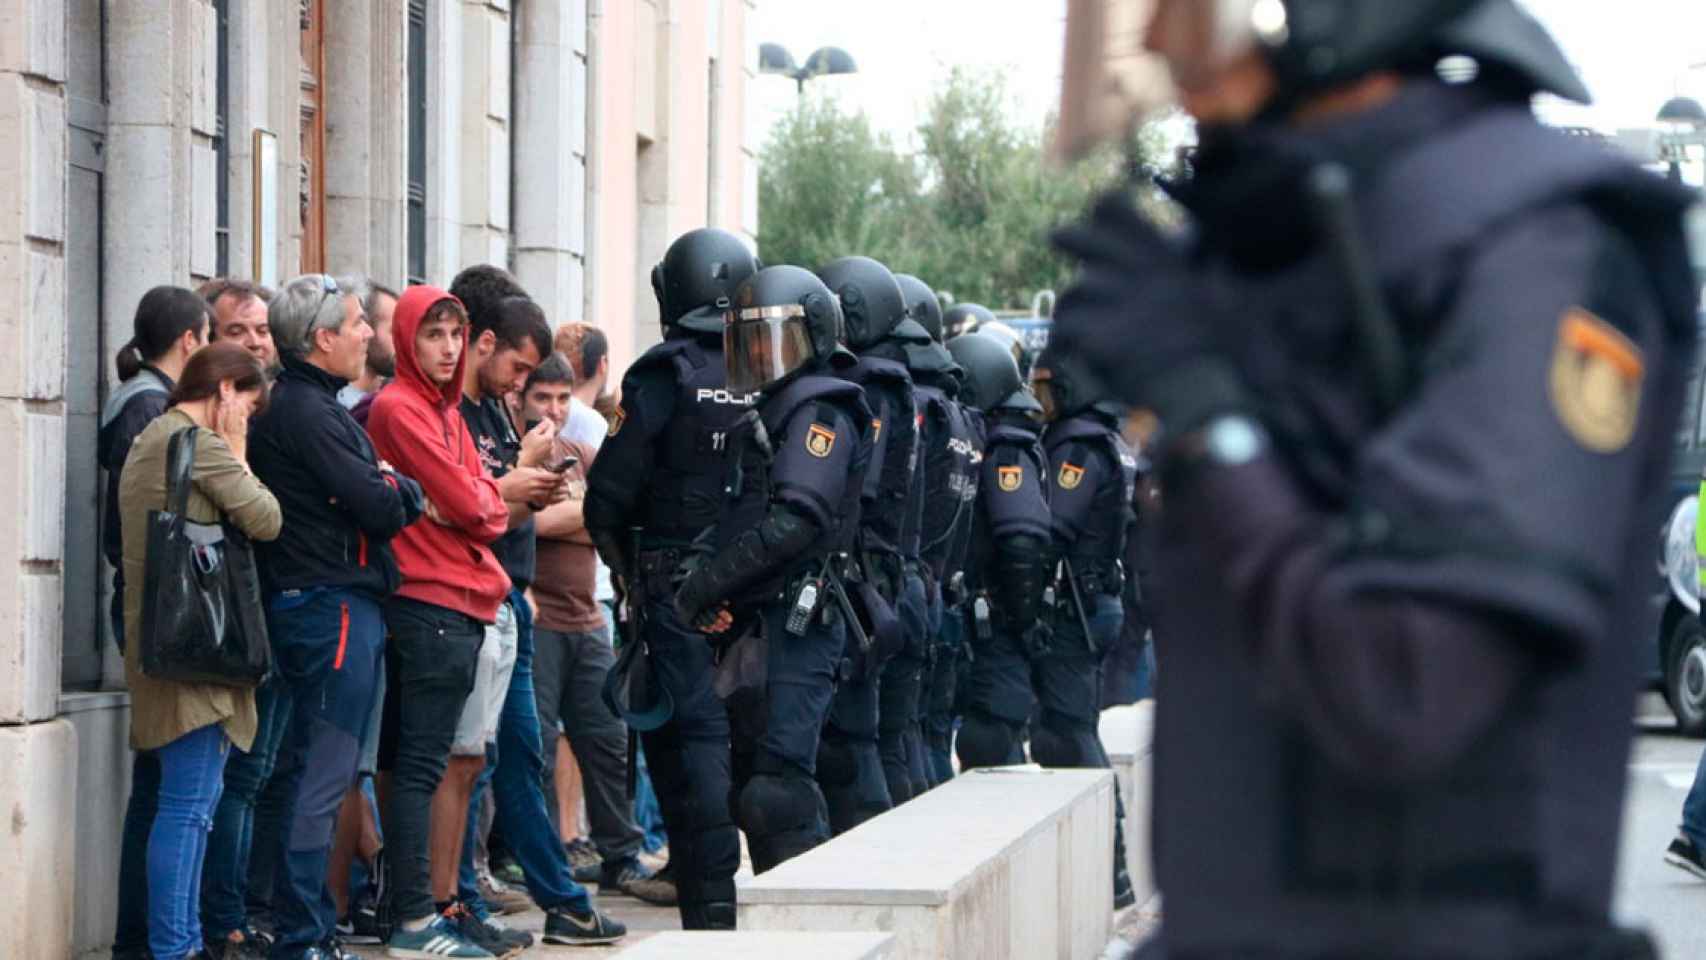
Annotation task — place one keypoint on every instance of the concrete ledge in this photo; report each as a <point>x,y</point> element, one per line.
<point>761,945</point>
<point>1008,863</point>
<point>1128,736</point>
<point>38,792</point>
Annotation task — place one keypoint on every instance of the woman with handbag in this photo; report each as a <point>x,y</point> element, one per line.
<point>187,502</point>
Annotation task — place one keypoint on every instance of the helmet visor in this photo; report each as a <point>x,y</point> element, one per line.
<point>1127,59</point>
<point>764,344</point>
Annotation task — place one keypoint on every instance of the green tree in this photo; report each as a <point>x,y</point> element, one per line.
<point>969,212</point>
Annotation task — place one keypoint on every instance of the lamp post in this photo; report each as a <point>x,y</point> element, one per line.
<point>1683,120</point>
<point>775,59</point>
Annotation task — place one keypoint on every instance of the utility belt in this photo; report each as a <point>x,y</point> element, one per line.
<point>981,614</point>
<point>657,568</point>
<point>1096,577</point>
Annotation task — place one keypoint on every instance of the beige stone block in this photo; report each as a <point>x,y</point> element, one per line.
<point>497,35</point>
<point>745,945</point>
<point>38,794</point>
<point>204,210</point>
<point>45,176</point>
<point>497,176</point>
<point>143,220</point>
<point>43,356</point>
<point>32,37</point>
<point>30,632</point>
<point>574,106</point>
<point>44,503</point>
<point>102,725</point>
<point>575,11</point>
<point>204,68</point>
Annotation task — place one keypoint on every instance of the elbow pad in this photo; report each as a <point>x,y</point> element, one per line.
<point>758,554</point>
<point>1021,575</point>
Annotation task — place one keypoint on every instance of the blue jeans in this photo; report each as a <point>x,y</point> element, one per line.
<point>329,644</point>
<point>1694,807</point>
<point>131,933</point>
<point>192,774</point>
<point>517,774</point>
<point>225,879</point>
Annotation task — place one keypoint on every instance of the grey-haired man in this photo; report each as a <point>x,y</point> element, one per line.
<point>324,580</point>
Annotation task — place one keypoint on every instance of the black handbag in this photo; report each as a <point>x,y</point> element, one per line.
<point>202,619</point>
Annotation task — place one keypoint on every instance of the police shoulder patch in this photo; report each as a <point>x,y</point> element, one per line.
<point>1009,479</point>
<point>876,429</point>
<point>617,418</point>
<point>1071,475</point>
<point>1595,382</point>
<point>820,440</point>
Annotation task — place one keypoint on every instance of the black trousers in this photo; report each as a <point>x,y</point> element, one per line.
<point>430,664</point>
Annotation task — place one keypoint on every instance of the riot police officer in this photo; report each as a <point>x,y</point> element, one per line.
<point>773,572</point>
<point>661,470</point>
<point>1090,506</point>
<point>964,318</point>
<point>1010,563</point>
<point>859,780</point>
<point>949,456</point>
<point>1418,372</point>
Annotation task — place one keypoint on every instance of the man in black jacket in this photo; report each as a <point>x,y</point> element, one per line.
<point>324,578</point>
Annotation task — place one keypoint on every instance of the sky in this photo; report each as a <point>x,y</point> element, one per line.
<point>1634,54</point>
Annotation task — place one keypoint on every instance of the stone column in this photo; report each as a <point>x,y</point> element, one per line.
<point>444,131</point>
<point>367,138</point>
<point>485,133</point>
<point>38,754</point>
<point>550,156</point>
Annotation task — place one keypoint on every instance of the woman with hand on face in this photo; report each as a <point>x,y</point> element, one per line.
<point>190,727</point>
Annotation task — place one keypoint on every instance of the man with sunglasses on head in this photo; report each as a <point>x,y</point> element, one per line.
<point>325,580</point>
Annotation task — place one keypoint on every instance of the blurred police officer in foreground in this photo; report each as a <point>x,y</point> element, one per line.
<point>1010,563</point>
<point>947,463</point>
<point>953,452</point>
<point>1418,371</point>
<point>1090,504</point>
<point>772,578</point>
<point>662,470</point>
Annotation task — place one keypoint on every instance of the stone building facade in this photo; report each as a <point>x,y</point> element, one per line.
<point>167,141</point>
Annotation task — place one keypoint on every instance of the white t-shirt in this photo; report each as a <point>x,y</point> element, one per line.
<point>587,426</point>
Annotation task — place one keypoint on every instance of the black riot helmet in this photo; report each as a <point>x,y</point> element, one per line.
<point>871,302</point>
<point>963,318</point>
<point>1063,392</point>
<point>991,379</point>
<point>695,283</point>
<point>784,320</point>
<point>922,308</point>
<point>1014,341</point>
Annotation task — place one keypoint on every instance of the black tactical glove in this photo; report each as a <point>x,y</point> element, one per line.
<point>1140,321</point>
<point>1036,640</point>
<point>696,599</point>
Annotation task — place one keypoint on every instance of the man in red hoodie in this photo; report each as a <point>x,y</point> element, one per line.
<point>452,587</point>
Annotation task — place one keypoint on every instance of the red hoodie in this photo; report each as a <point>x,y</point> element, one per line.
<point>416,426</point>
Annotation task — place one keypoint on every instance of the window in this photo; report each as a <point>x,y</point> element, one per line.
<point>417,221</point>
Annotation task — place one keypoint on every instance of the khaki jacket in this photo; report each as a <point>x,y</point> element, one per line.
<point>162,710</point>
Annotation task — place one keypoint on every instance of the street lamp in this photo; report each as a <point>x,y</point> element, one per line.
<point>1684,122</point>
<point>775,59</point>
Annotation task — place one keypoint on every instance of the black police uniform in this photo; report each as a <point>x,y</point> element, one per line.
<point>952,463</point>
<point>1395,672</point>
<point>1002,628</point>
<point>804,450</point>
<point>662,468</point>
<point>850,768</point>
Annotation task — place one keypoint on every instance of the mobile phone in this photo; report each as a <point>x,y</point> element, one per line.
<point>562,466</point>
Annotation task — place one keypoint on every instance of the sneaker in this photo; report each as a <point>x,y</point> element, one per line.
<point>481,932</point>
<point>236,945</point>
<point>331,948</point>
<point>502,897</point>
<point>641,884</point>
<point>361,924</point>
<point>567,928</point>
<point>584,860</point>
<point>1684,855</point>
<point>438,940</point>
<point>506,869</point>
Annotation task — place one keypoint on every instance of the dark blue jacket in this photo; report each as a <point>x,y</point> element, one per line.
<point>340,509</point>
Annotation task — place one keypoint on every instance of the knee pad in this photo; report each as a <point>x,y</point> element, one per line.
<point>772,804</point>
<point>1058,743</point>
<point>985,742</point>
<point>837,762</point>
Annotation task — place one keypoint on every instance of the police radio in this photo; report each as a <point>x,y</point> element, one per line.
<point>980,618</point>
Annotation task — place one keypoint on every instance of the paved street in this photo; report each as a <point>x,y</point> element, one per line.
<point>1669,902</point>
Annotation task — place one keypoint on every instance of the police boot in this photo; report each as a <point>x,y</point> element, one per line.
<point>713,915</point>
<point>987,742</point>
<point>783,815</point>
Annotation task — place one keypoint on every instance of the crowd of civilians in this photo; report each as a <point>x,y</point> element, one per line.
<point>411,469</point>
